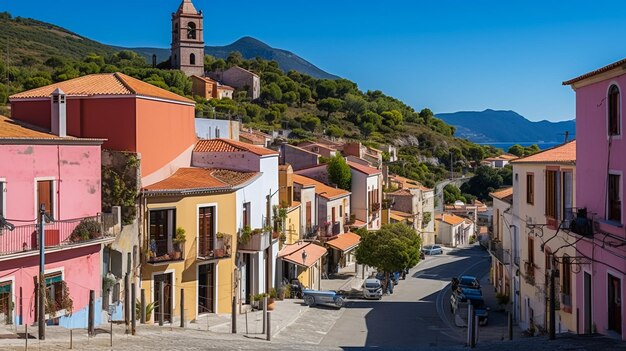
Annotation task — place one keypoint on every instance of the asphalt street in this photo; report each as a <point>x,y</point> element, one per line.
<point>417,314</point>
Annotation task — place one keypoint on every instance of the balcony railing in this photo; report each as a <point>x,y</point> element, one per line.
<point>221,247</point>
<point>57,234</point>
<point>579,222</point>
<point>529,272</point>
<point>311,232</point>
<point>330,230</point>
<point>256,242</point>
<point>497,250</point>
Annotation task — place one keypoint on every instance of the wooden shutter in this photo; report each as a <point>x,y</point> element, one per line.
<point>308,214</point>
<point>44,196</point>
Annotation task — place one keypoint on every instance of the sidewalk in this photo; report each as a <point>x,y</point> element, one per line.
<point>347,278</point>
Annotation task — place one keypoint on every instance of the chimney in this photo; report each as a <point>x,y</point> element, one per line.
<point>58,125</point>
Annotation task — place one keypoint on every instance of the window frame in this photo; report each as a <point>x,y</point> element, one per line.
<point>246,214</point>
<point>530,188</point>
<point>53,200</point>
<point>613,131</point>
<point>609,199</point>
<point>170,230</point>
<point>3,197</point>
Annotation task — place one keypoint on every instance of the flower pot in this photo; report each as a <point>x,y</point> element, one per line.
<point>270,304</point>
<point>176,255</point>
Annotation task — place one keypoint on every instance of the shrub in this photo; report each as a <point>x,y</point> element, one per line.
<point>85,230</point>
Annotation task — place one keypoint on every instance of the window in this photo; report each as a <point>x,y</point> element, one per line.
<point>496,229</point>
<point>191,30</point>
<point>552,194</point>
<point>530,188</point>
<point>246,214</point>
<point>566,286</point>
<point>531,250</point>
<point>162,224</point>
<point>614,198</point>
<point>2,198</point>
<point>176,32</point>
<point>568,195</point>
<point>614,111</point>
<point>54,287</point>
<point>192,59</point>
<point>6,301</point>
<point>217,131</point>
<point>206,230</point>
<point>45,196</point>
<point>308,214</point>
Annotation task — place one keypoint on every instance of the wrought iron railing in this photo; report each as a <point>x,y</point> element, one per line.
<point>218,247</point>
<point>62,233</point>
<point>579,221</point>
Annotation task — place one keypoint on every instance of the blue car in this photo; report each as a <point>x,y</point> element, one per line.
<point>328,297</point>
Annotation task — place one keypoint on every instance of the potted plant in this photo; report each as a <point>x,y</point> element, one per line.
<point>87,229</point>
<point>272,299</point>
<point>246,233</point>
<point>179,242</point>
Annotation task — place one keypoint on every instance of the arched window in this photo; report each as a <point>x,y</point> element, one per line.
<point>614,110</point>
<point>191,30</point>
<point>176,31</point>
<point>192,59</point>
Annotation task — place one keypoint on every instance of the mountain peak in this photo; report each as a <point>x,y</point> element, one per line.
<point>247,40</point>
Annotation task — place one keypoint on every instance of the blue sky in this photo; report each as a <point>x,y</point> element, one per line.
<point>443,54</point>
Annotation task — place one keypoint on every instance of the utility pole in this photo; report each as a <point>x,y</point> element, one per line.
<point>42,284</point>
<point>552,331</point>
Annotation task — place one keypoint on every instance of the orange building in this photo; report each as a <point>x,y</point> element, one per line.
<point>132,115</point>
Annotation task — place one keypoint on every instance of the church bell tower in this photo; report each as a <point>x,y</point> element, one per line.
<point>187,40</point>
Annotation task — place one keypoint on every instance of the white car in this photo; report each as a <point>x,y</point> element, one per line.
<point>432,250</point>
<point>372,289</point>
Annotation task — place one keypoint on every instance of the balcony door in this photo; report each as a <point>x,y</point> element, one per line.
<point>206,230</point>
<point>615,304</point>
<point>45,196</point>
<point>162,224</point>
<point>206,288</point>
<point>166,280</point>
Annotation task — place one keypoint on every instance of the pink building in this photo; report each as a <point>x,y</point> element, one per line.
<point>601,253</point>
<point>63,174</point>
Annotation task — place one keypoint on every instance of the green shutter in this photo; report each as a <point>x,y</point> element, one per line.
<point>5,288</point>
<point>53,279</point>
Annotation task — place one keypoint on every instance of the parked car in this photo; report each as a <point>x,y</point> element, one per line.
<point>395,277</point>
<point>473,296</point>
<point>432,250</point>
<point>372,289</point>
<point>468,281</point>
<point>324,297</point>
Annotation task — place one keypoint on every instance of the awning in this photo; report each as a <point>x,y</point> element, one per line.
<point>344,242</point>
<point>302,254</point>
<point>400,216</point>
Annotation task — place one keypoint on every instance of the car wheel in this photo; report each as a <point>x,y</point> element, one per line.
<point>309,300</point>
<point>339,302</point>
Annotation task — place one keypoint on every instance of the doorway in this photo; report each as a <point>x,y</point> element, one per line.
<point>587,306</point>
<point>206,288</point>
<point>168,288</point>
<point>615,304</point>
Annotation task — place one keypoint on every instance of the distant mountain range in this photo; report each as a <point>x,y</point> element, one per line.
<point>249,48</point>
<point>31,41</point>
<point>491,126</point>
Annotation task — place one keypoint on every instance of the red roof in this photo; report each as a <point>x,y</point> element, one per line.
<point>363,169</point>
<point>565,153</point>
<point>201,179</point>
<point>227,145</point>
<point>620,63</point>
<point>344,242</point>
<point>321,189</point>
<point>294,253</point>
<point>102,84</point>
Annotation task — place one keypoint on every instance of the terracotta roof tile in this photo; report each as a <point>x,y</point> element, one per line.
<point>321,189</point>
<point>227,145</point>
<point>201,179</point>
<point>400,215</point>
<point>606,68</point>
<point>345,242</point>
<point>254,138</point>
<point>293,253</point>
<point>363,169</point>
<point>565,153</point>
<point>102,84</point>
<point>401,192</point>
<point>450,219</point>
<point>505,194</point>
<point>14,129</point>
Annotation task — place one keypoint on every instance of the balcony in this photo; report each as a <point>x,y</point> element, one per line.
<point>497,250</point>
<point>330,230</point>
<point>59,234</point>
<point>220,247</point>
<point>579,221</point>
<point>255,240</point>
<point>310,232</point>
<point>529,272</point>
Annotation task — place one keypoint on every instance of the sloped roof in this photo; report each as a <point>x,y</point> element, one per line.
<point>254,138</point>
<point>14,130</point>
<point>321,189</point>
<point>400,216</point>
<point>620,63</point>
<point>102,84</point>
<point>293,253</point>
<point>450,219</point>
<point>227,145</point>
<point>408,183</point>
<point>565,153</point>
<point>401,192</point>
<point>363,169</point>
<point>505,194</point>
<point>192,179</point>
<point>187,7</point>
<point>344,242</point>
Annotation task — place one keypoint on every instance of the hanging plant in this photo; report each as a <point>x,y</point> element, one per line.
<point>67,304</point>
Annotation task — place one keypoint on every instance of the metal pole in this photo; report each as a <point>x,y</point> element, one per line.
<point>470,333</point>
<point>552,331</point>
<point>92,313</point>
<point>111,332</point>
<point>264,314</point>
<point>161,306</point>
<point>268,329</point>
<point>26,336</point>
<point>510,326</point>
<point>246,322</point>
<point>133,312</point>
<point>42,286</point>
<point>182,308</point>
<point>233,316</point>
<point>475,321</point>
<point>71,339</point>
<point>142,313</point>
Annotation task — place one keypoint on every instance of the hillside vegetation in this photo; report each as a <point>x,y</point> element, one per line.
<point>309,107</point>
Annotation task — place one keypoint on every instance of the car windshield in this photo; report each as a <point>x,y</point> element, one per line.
<point>372,285</point>
<point>428,247</point>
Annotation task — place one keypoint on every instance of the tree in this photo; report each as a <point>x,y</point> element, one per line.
<point>304,95</point>
<point>326,88</point>
<point>234,59</point>
<point>426,114</point>
<point>334,131</point>
<point>395,247</point>
<point>271,93</point>
<point>329,105</point>
<point>339,172</point>
<point>452,194</point>
<point>290,97</point>
<point>354,105</point>
<point>487,180</point>
<point>392,118</point>
<point>517,150</point>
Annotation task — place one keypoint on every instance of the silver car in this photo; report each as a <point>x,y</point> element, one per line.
<point>432,250</point>
<point>372,289</point>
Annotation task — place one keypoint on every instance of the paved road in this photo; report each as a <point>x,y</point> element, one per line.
<point>416,315</point>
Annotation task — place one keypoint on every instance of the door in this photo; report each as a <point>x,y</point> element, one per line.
<point>45,196</point>
<point>206,288</point>
<point>615,304</point>
<point>587,287</point>
<point>308,215</point>
<point>166,280</point>
<point>205,231</point>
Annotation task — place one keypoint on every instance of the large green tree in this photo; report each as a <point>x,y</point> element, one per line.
<point>393,248</point>
<point>339,172</point>
<point>486,180</point>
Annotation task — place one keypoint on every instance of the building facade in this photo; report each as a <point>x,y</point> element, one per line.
<point>187,50</point>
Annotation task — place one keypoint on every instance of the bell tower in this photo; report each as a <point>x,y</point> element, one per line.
<point>187,40</point>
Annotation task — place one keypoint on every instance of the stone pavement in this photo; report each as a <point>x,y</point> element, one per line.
<point>347,279</point>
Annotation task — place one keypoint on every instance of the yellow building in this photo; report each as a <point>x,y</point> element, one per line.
<point>199,203</point>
